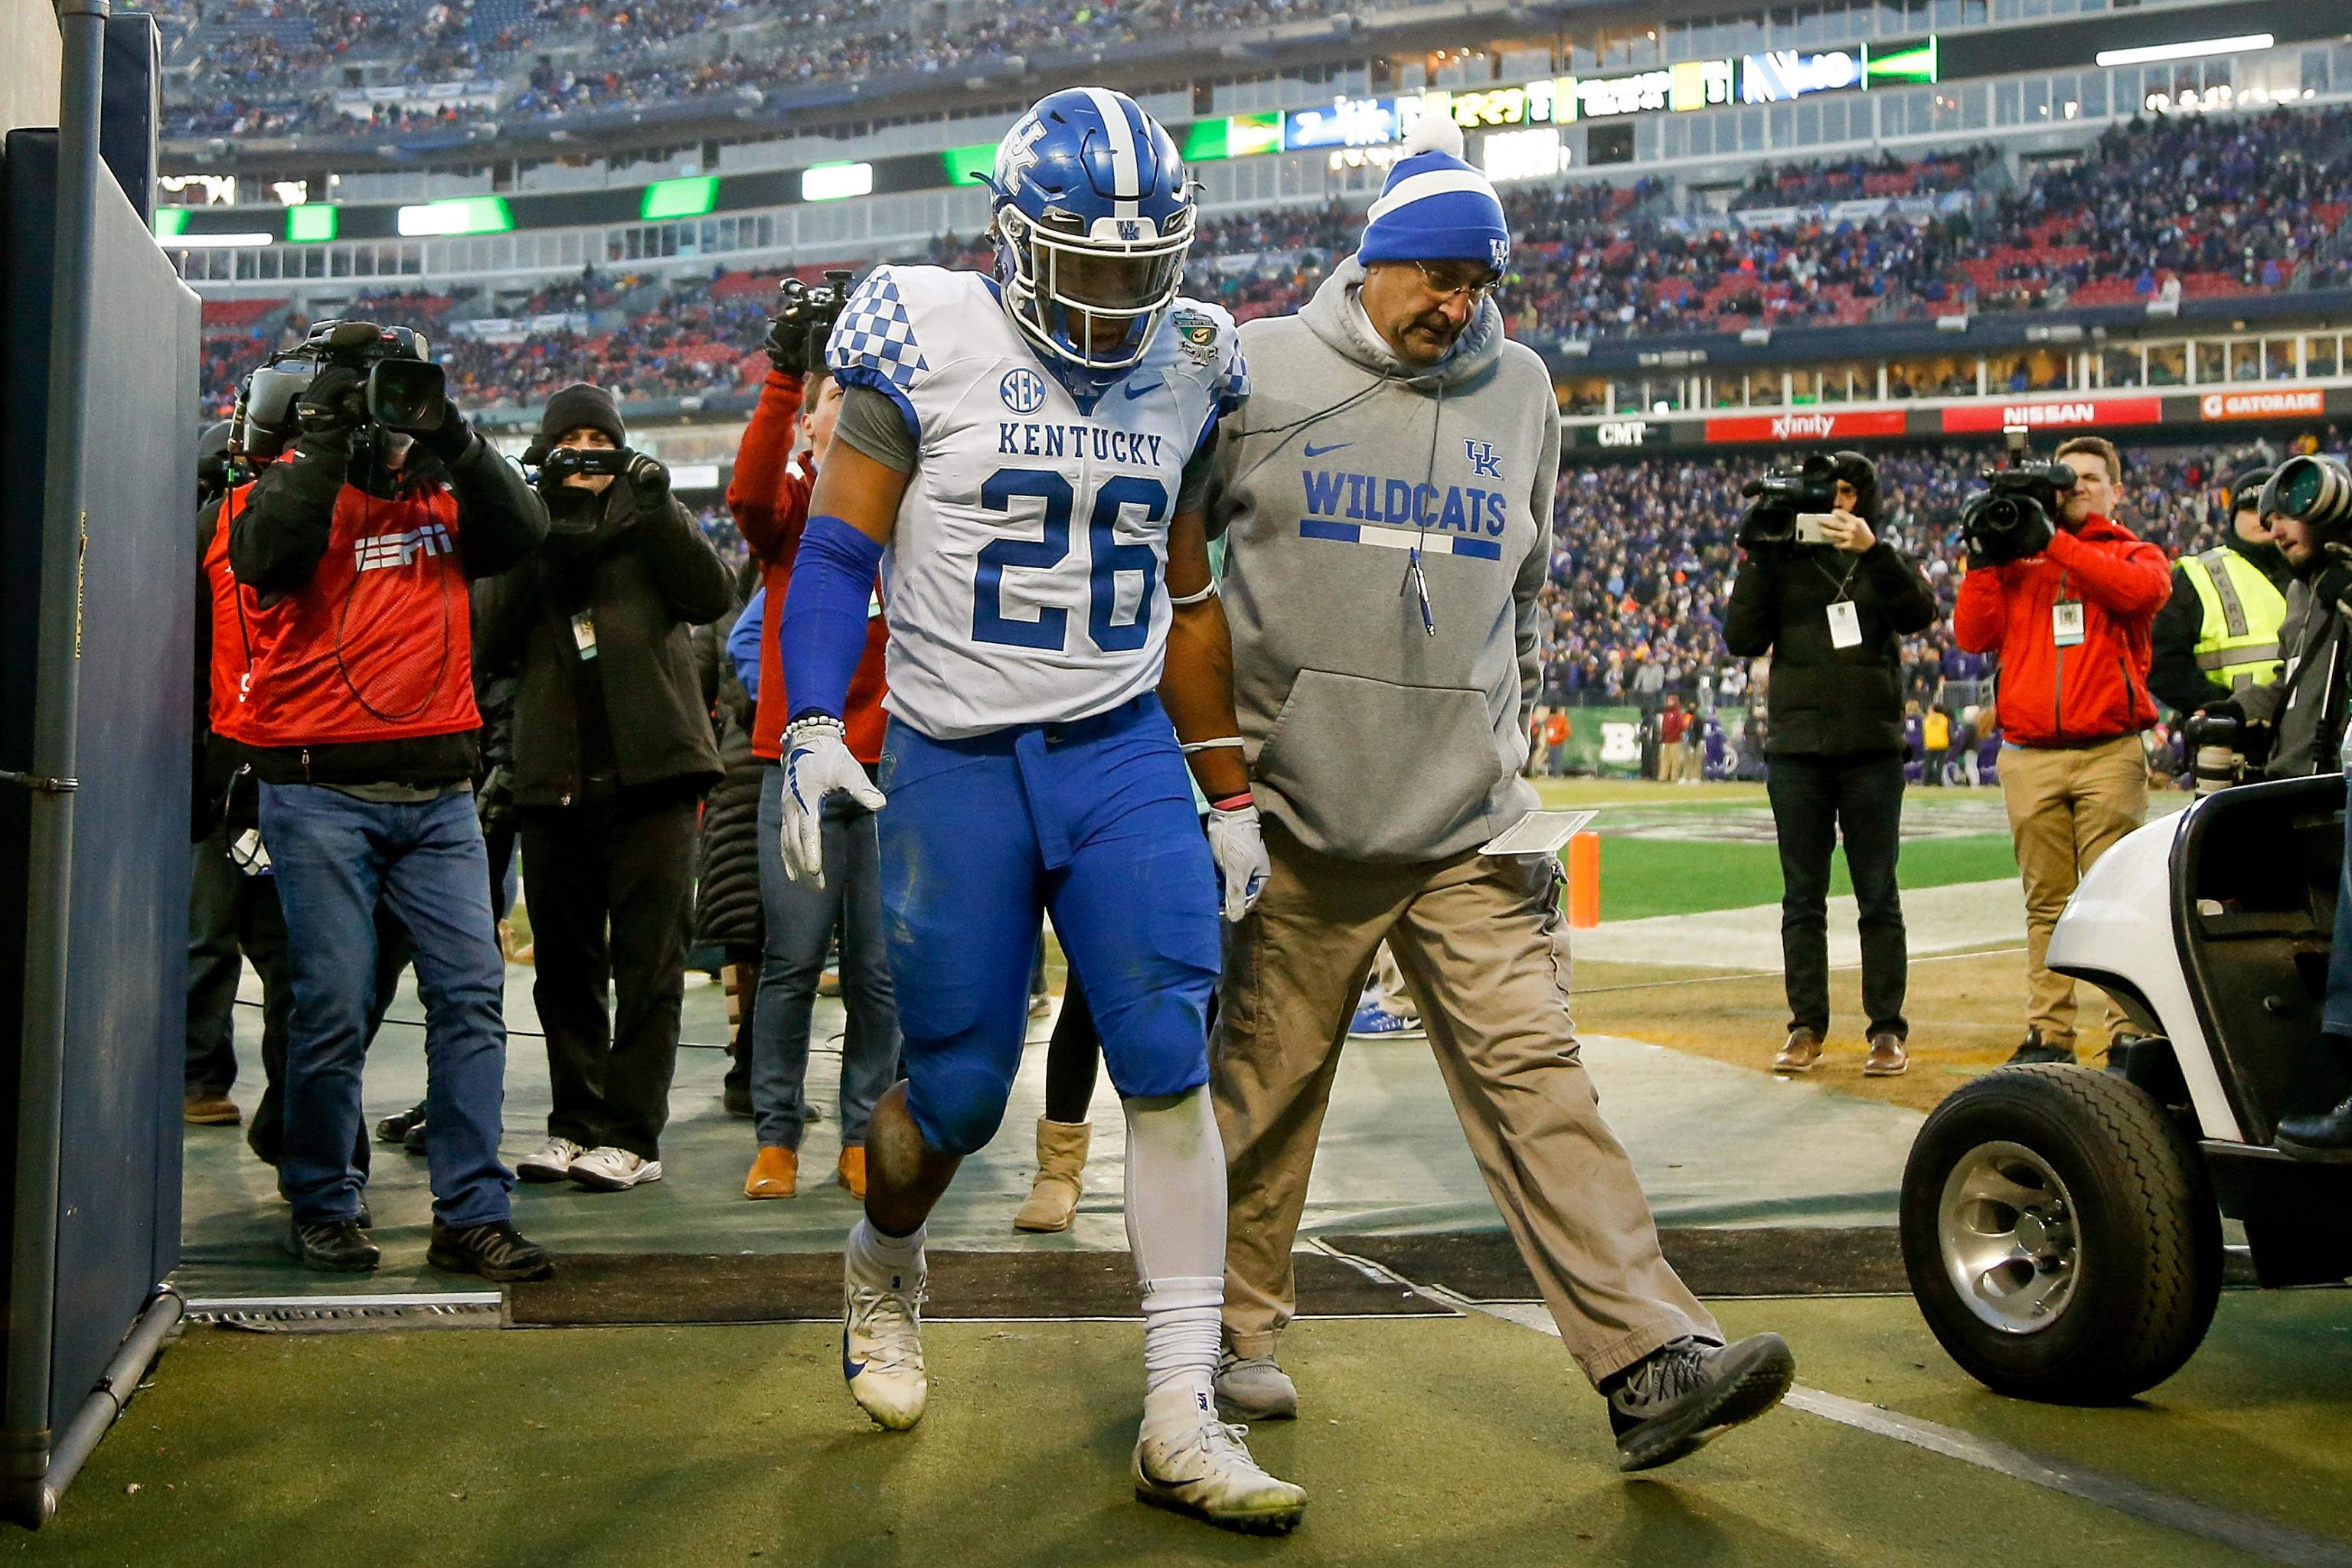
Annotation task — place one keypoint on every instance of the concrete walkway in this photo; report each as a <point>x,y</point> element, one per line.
<point>1713,1144</point>
<point>1938,919</point>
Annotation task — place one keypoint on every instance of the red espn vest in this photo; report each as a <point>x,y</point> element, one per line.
<point>379,645</point>
<point>233,607</point>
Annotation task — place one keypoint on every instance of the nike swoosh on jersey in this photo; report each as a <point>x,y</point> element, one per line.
<point>1134,392</point>
<point>1314,451</point>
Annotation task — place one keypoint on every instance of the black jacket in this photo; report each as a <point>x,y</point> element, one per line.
<point>275,542</point>
<point>2307,702</point>
<point>1826,700</point>
<point>726,909</point>
<point>2172,672</point>
<point>643,577</point>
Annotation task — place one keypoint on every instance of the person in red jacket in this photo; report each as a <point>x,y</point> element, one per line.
<point>769,497</point>
<point>2071,624</point>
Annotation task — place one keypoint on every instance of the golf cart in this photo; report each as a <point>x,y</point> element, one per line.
<point>2061,1226</point>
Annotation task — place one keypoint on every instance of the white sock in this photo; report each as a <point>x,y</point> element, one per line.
<point>883,1262</point>
<point>1176,1228</point>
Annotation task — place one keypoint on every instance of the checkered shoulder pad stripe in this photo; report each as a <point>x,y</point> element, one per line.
<point>873,332</point>
<point>1234,385</point>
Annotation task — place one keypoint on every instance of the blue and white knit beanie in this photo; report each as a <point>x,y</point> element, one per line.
<point>1435,206</point>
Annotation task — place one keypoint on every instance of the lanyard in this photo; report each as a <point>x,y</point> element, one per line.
<point>1840,584</point>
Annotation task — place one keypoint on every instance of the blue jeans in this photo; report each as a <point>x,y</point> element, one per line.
<point>800,923</point>
<point>2336,1017</point>
<point>336,858</point>
<point>1091,821</point>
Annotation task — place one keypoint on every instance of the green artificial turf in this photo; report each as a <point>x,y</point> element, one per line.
<point>1422,1443</point>
<point>1642,876</point>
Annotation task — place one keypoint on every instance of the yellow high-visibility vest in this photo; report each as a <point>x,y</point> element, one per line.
<point>2239,642</point>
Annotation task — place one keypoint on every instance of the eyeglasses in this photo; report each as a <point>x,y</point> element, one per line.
<point>1477,286</point>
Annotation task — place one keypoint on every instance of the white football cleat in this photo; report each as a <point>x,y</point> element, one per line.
<point>882,1349</point>
<point>1197,1465</point>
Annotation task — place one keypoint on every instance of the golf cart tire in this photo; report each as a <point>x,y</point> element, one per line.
<point>2145,1234</point>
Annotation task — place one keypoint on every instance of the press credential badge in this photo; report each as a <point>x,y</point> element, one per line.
<point>2066,621</point>
<point>584,632</point>
<point>1845,624</point>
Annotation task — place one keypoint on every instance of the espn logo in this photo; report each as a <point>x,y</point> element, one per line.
<point>388,550</point>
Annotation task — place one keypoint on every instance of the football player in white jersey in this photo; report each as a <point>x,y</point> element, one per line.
<point>1025,456</point>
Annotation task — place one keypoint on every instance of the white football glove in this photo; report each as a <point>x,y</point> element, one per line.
<point>1238,845</point>
<point>817,764</point>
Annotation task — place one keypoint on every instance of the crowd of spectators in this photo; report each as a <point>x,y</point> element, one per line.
<point>1591,260</point>
<point>643,55</point>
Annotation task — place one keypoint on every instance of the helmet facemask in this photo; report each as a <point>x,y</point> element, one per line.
<point>1093,299</point>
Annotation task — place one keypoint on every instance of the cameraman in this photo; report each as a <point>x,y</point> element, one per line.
<point>769,496</point>
<point>2067,601</point>
<point>613,750</point>
<point>1832,615</point>
<point>2297,723</point>
<point>361,728</point>
<point>2219,633</point>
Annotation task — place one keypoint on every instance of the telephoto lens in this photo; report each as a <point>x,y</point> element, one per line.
<point>2316,491</point>
<point>2215,760</point>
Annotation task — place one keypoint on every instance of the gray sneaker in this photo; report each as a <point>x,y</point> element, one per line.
<point>1253,1388</point>
<point>1684,1396</point>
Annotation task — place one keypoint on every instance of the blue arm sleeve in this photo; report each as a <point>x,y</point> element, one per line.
<point>743,642</point>
<point>822,633</point>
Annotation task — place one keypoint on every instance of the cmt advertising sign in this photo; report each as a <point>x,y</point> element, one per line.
<point>1784,74</point>
<point>2261,405</point>
<point>1807,425</point>
<point>1346,122</point>
<point>2068,413</point>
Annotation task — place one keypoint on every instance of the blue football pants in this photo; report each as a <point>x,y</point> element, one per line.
<point>1092,821</point>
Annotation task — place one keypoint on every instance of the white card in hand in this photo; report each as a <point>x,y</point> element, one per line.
<point>1537,833</point>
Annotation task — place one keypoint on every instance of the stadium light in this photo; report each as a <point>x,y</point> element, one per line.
<point>832,182</point>
<point>2202,48</point>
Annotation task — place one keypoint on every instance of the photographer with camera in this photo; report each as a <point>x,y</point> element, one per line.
<point>2309,501</point>
<point>2219,633</point>
<point>361,725</point>
<point>2293,727</point>
<point>613,750</point>
<point>775,469</point>
<point>1831,602</point>
<point>2065,596</point>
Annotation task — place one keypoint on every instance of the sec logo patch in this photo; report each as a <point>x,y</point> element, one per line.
<point>1023,391</point>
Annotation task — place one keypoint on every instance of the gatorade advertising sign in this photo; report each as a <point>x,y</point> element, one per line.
<point>1806,426</point>
<point>2057,414</point>
<point>2267,405</point>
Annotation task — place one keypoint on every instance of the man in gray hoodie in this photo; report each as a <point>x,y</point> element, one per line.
<point>1387,500</point>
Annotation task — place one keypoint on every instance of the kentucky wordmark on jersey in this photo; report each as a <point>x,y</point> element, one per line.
<point>1024,580</point>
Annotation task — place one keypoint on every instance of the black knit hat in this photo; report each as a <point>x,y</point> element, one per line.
<point>583,406</point>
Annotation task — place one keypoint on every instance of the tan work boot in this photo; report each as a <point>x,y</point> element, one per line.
<point>776,1173</point>
<point>850,1171</point>
<point>1061,1156</point>
<point>1803,1049</point>
<point>1887,1058</point>
<point>215,1110</point>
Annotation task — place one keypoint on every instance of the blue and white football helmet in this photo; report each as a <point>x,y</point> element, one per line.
<point>1092,210</point>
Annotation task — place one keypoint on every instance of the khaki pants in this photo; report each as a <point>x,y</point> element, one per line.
<point>2066,807</point>
<point>1484,951</point>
